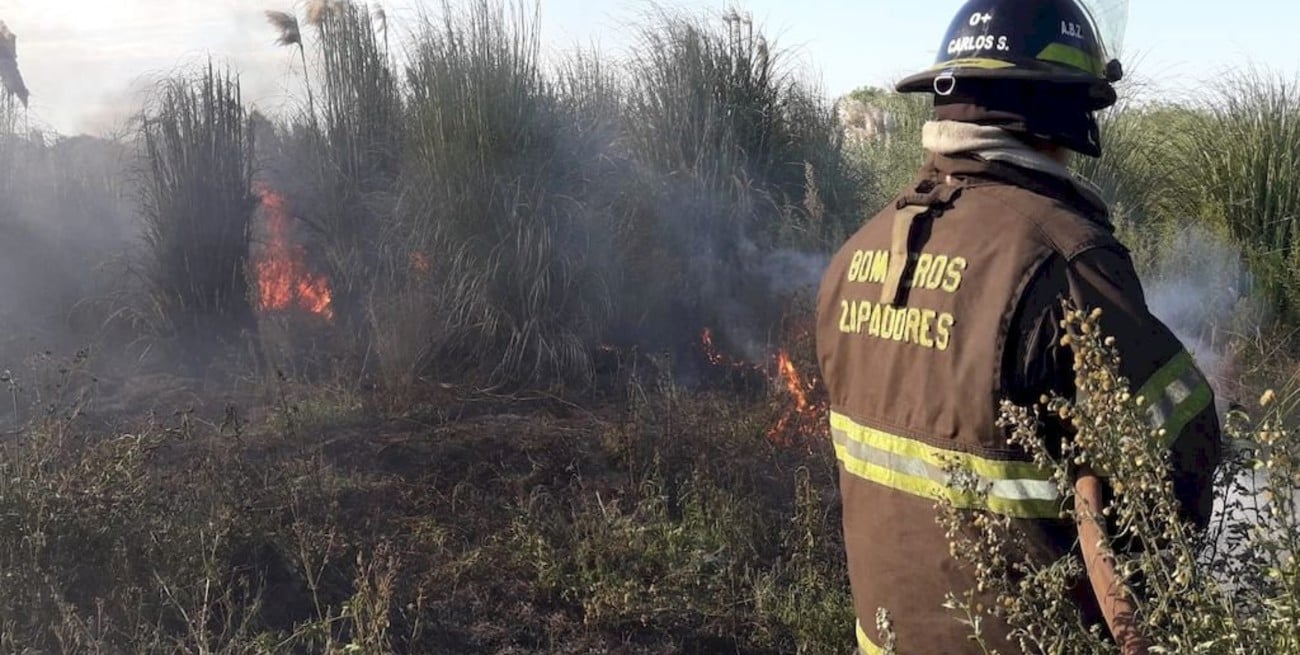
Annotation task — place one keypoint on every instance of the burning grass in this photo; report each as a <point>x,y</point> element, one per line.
<point>284,281</point>
<point>615,243</point>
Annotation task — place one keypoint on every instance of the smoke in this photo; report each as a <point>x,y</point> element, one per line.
<point>791,271</point>
<point>63,205</point>
<point>1200,287</point>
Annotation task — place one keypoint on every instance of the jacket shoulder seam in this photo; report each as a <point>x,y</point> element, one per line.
<point>1069,253</point>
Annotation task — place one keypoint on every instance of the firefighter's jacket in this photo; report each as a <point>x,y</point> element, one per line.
<point>916,378</point>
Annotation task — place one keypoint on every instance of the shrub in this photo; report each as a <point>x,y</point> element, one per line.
<point>354,158</point>
<point>736,159</point>
<point>885,137</point>
<point>1233,589</point>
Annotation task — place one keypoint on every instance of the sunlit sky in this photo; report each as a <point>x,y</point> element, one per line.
<point>85,61</point>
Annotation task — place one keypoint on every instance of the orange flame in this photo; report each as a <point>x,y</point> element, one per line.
<point>793,383</point>
<point>283,280</point>
<point>802,420</point>
<point>711,351</point>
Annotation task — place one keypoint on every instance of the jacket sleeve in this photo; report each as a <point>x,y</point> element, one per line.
<point>1178,396</point>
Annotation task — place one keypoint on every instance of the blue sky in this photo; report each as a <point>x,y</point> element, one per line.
<point>86,60</point>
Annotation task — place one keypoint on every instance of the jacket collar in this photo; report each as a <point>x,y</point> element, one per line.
<point>973,171</point>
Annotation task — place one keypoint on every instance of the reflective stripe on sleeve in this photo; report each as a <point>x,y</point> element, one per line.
<point>1175,395</point>
<point>865,645</point>
<point>1015,488</point>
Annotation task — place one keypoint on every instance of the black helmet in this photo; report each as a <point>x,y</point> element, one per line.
<point>1051,41</point>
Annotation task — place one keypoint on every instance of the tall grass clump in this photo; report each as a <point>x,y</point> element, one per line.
<point>501,241</point>
<point>737,157</point>
<point>197,207</point>
<point>1231,588</point>
<point>356,153</point>
<point>1242,148</point>
<point>1137,166</point>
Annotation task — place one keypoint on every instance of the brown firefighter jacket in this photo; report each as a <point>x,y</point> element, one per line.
<point>917,360</point>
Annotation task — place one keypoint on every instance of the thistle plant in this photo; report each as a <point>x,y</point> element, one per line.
<point>1234,588</point>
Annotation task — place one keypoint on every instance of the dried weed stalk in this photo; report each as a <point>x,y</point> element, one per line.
<point>1232,589</point>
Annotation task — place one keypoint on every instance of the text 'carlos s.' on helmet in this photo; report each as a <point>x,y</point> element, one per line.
<point>1037,41</point>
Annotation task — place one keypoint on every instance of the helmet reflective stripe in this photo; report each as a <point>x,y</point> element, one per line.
<point>1071,56</point>
<point>973,62</point>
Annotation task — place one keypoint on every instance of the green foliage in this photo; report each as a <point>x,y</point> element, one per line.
<point>1241,149</point>
<point>724,110</point>
<point>198,204</point>
<point>884,133</point>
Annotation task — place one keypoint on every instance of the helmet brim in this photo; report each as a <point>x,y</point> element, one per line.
<point>1100,93</point>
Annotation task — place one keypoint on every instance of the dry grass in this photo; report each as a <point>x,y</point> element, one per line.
<point>472,524</point>
<point>198,206</point>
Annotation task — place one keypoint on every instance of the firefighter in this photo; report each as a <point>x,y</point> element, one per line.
<point>950,300</point>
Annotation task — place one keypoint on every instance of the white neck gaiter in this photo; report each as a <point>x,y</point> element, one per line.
<point>996,144</point>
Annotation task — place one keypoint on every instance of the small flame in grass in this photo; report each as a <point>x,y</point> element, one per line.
<point>793,382</point>
<point>283,279</point>
<point>803,419</point>
<point>710,350</point>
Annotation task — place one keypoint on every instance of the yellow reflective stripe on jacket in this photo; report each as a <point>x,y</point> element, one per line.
<point>865,645</point>
<point>1017,489</point>
<point>1175,395</point>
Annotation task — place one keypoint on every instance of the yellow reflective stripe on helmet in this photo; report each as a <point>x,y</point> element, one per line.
<point>865,645</point>
<point>1014,488</point>
<point>1174,395</point>
<point>1060,53</point>
<point>974,62</point>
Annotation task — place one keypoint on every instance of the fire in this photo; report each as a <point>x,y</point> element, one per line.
<point>718,358</point>
<point>283,279</point>
<point>711,351</point>
<point>793,383</point>
<point>804,418</point>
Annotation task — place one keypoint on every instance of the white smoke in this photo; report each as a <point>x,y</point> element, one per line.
<point>789,271</point>
<point>1200,288</point>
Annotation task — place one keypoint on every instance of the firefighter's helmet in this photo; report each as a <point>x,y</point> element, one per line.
<point>1035,41</point>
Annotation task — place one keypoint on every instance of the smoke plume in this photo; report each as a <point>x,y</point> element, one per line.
<point>1199,286</point>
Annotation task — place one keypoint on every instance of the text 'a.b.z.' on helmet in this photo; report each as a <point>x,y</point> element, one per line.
<point>1053,42</point>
